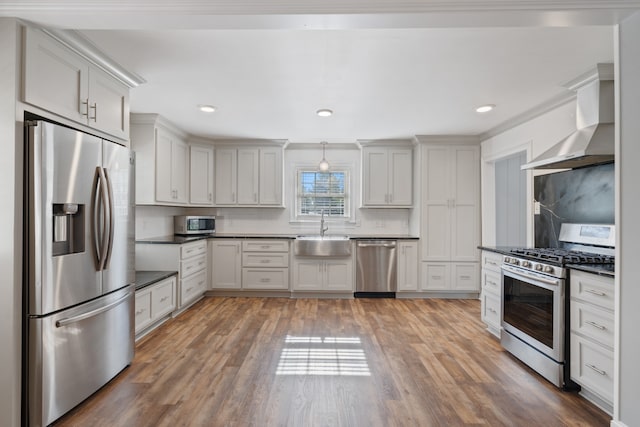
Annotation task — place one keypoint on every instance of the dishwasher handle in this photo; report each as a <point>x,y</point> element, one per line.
<point>377,245</point>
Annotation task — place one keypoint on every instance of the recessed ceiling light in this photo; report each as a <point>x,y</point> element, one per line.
<point>485,108</point>
<point>207,108</point>
<point>324,112</point>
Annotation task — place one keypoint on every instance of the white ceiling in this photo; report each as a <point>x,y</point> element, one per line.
<point>384,75</point>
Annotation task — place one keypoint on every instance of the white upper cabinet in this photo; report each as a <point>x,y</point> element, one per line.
<point>60,81</point>
<point>162,161</point>
<point>201,175</point>
<point>451,215</point>
<point>387,176</point>
<point>248,176</point>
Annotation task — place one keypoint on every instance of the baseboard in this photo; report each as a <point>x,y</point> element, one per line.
<point>615,423</point>
<point>439,295</point>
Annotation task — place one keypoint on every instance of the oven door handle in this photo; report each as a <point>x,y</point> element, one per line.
<point>530,277</point>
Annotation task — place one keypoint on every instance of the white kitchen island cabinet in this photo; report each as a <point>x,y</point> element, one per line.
<point>59,80</point>
<point>249,176</point>
<point>154,304</point>
<point>491,292</point>
<point>162,161</point>
<point>387,175</point>
<point>450,215</point>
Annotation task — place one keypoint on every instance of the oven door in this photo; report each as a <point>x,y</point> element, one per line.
<point>533,310</point>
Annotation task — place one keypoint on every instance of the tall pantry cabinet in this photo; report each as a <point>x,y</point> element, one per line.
<point>450,197</point>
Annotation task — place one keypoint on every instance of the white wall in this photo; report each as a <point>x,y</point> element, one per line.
<point>627,408</point>
<point>535,136</point>
<point>10,227</point>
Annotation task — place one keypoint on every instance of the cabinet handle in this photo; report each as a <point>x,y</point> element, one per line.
<point>233,197</point>
<point>492,283</point>
<point>164,299</point>
<point>255,197</point>
<point>595,325</point>
<point>265,247</point>
<point>436,277</point>
<point>465,277</point>
<point>600,371</point>
<point>265,280</point>
<point>140,311</point>
<point>492,263</point>
<point>390,198</point>
<point>188,290</point>
<point>201,282</point>
<point>265,261</point>
<point>95,112</point>
<point>86,104</point>
<point>492,310</point>
<point>594,292</point>
<point>210,197</point>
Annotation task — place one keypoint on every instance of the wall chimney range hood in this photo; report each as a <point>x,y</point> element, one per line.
<point>593,141</point>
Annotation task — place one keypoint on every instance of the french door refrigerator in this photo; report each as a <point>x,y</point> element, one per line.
<point>79,267</point>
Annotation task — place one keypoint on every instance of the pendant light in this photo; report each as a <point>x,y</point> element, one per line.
<point>323,166</point>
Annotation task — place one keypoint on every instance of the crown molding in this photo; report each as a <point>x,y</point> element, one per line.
<point>448,139</point>
<point>386,142</point>
<point>316,146</point>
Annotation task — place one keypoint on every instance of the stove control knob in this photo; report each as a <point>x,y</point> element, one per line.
<point>515,261</point>
<point>548,269</point>
<point>538,267</point>
<point>526,264</point>
<point>507,260</point>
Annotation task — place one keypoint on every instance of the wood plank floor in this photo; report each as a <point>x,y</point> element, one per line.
<point>324,362</point>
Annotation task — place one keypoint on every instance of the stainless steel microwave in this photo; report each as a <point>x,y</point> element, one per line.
<point>194,224</point>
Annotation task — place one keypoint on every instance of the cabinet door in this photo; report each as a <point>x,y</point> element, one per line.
<point>201,175</point>
<point>375,177</point>
<point>400,177</point>
<point>270,176</point>
<point>435,276</point>
<point>179,170</point>
<point>143,315</point>
<point>338,275</point>
<point>465,220</point>
<point>307,275</point>
<point>248,165</point>
<point>226,265</point>
<point>437,204</point>
<point>164,191</point>
<point>108,104</point>
<point>465,277</point>
<point>225,173</point>
<point>56,79</point>
<point>407,266</point>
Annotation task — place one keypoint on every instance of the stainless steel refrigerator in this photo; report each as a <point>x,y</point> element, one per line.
<point>79,267</point>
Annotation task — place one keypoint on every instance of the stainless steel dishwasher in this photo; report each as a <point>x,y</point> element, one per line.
<point>376,268</point>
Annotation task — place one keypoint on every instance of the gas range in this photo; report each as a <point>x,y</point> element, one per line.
<point>551,261</point>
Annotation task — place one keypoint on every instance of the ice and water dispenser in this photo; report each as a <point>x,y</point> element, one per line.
<point>68,228</point>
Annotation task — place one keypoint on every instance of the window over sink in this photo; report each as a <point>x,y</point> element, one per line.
<point>318,191</point>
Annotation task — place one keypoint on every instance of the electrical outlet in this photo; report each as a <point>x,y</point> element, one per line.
<point>536,208</point>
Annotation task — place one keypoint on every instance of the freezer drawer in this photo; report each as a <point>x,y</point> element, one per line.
<point>75,352</point>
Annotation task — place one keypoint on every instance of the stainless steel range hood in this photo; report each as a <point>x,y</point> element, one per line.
<point>593,141</point>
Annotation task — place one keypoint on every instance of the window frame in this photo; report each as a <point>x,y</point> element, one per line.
<point>297,216</point>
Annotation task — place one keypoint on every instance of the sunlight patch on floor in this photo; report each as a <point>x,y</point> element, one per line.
<point>339,356</point>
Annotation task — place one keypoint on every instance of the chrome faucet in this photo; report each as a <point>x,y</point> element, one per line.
<point>322,227</point>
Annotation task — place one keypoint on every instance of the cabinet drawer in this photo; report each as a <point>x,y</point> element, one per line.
<point>143,309</point>
<point>193,249</point>
<point>193,266</point>
<point>593,322</point>
<point>465,276</point>
<point>265,278</point>
<point>491,309</point>
<point>491,282</point>
<point>491,261</point>
<point>592,367</point>
<point>435,276</point>
<point>193,287</point>
<point>265,245</point>
<point>163,298</point>
<point>261,259</point>
<point>592,288</point>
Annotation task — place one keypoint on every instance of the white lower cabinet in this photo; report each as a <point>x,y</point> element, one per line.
<point>450,277</point>
<point>154,303</point>
<point>189,259</point>
<point>265,264</point>
<point>407,266</point>
<point>226,264</point>
<point>316,274</point>
<point>491,292</point>
<point>592,336</point>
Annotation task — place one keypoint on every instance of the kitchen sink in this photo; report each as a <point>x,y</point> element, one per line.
<point>323,246</point>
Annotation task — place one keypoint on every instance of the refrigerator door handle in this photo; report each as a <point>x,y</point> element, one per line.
<point>110,212</point>
<point>100,220</point>
<point>67,321</point>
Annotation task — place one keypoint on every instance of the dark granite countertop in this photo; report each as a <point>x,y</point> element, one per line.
<point>178,240</point>
<point>607,270</point>
<point>146,278</point>
<point>504,250</point>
